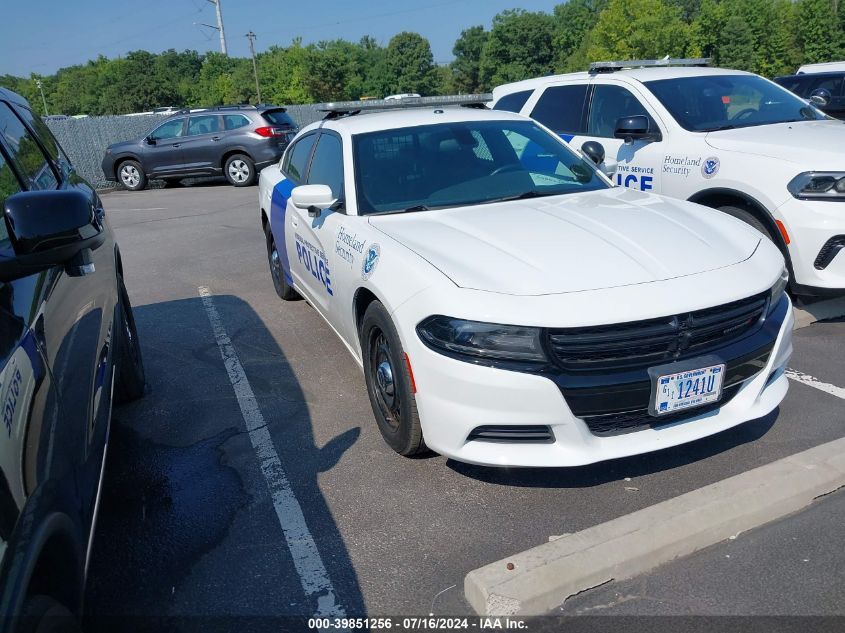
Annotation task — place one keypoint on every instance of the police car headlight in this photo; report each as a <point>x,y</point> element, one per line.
<point>481,341</point>
<point>818,185</point>
<point>776,292</point>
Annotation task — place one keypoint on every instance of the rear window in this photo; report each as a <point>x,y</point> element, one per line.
<point>278,117</point>
<point>513,102</point>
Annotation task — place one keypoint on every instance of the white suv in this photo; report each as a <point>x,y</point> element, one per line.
<point>724,138</point>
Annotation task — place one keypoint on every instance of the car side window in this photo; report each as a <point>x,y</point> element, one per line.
<point>9,185</point>
<point>25,153</point>
<point>203,124</point>
<point>299,153</point>
<point>168,129</point>
<point>832,84</point>
<point>234,121</point>
<point>327,165</point>
<point>561,108</point>
<point>513,102</point>
<point>609,104</point>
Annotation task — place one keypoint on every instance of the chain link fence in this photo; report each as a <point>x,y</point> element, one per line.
<point>85,140</point>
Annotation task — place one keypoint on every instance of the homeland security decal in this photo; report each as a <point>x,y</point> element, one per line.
<point>370,261</point>
<point>710,167</point>
<point>347,245</point>
<point>680,165</point>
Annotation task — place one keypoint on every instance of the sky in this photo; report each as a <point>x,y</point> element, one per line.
<point>42,36</point>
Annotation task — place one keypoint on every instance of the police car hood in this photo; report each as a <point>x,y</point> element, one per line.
<point>571,243</point>
<point>815,144</point>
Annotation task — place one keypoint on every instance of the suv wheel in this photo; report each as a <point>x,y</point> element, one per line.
<point>131,176</point>
<point>239,170</point>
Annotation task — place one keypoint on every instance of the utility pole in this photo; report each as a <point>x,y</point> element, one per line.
<point>43,100</point>
<point>219,26</point>
<point>251,37</point>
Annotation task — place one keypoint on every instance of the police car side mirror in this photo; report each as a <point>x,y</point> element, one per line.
<point>594,151</point>
<point>636,128</point>
<point>312,198</point>
<point>50,228</point>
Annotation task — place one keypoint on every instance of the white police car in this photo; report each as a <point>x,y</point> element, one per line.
<point>724,138</point>
<point>507,304</point>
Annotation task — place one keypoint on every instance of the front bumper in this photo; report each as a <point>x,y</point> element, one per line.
<point>454,398</point>
<point>810,224</point>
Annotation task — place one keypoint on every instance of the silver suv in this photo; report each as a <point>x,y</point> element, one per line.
<point>235,141</point>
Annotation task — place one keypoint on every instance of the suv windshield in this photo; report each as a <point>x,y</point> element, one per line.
<point>724,102</point>
<point>473,162</point>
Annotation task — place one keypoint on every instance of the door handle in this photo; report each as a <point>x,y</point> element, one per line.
<point>215,138</point>
<point>294,222</point>
<point>176,145</point>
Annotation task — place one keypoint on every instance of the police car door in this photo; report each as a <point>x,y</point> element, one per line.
<point>639,160</point>
<point>313,237</point>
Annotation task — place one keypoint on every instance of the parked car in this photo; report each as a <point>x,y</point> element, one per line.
<point>825,90</point>
<point>823,67</point>
<point>235,141</point>
<point>507,304</point>
<point>68,351</point>
<point>723,138</point>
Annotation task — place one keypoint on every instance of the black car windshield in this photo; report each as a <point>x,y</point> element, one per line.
<point>464,163</point>
<point>723,102</point>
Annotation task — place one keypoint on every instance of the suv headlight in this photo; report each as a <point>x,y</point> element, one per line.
<point>777,291</point>
<point>481,341</point>
<point>818,185</point>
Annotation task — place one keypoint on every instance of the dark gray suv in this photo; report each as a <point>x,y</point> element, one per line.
<point>236,141</point>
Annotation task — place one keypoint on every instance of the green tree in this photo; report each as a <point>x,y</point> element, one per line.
<point>520,45</point>
<point>638,29</point>
<point>467,52</point>
<point>573,22</point>
<point>738,47</point>
<point>410,63</point>
<point>820,30</point>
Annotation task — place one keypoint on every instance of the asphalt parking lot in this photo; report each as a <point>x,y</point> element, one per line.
<point>187,523</point>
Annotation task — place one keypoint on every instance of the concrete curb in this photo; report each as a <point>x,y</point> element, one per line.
<point>827,309</point>
<point>541,578</point>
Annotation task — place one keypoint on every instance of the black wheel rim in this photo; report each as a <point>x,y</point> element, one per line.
<point>275,265</point>
<point>383,379</point>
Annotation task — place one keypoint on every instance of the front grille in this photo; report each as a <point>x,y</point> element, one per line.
<point>512,434</point>
<point>638,419</point>
<point>830,250</point>
<point>654,341</point>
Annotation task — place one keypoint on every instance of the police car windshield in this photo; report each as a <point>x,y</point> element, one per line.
<point>723,102</point>
<point>471,162</point>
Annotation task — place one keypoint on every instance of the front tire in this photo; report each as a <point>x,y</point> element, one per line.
<point>129,365</point>
<point>239,170</point>
<point>389,383</point>
<point>131,175</point>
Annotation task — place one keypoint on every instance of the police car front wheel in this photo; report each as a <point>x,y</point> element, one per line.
<point>283,288</point>
<point>389,383</point>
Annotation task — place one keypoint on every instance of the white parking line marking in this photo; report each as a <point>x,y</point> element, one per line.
<point>806,379</point>
<point>306,557</point>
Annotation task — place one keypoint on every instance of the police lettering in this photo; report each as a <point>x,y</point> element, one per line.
<point>314,264</point>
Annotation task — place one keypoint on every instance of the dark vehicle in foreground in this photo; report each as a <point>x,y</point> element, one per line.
<point>235,141</point>
<point>825,90</point>
<point>68,350</point>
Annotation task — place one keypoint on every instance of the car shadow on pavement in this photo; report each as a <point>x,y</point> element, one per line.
<point>187,532</point>
<point>614,470</point>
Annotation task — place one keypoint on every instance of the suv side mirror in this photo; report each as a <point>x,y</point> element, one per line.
<point>312,198</point>
<point>636,128</point>
<point>820,97</point>
<point>150,140</point>
<point>50,228</point>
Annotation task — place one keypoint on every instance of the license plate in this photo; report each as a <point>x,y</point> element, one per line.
<point>686,389</point>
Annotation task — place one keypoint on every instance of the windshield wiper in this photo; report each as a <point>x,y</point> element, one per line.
<point>525,195</point>
<point>720,128</point>
<point>416,207</point>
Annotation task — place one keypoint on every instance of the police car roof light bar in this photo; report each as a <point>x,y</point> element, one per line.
<point>609,67</point>
<point>340,109</point>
